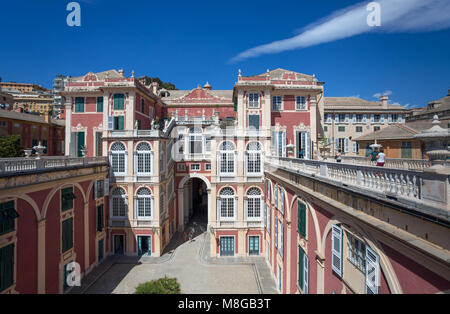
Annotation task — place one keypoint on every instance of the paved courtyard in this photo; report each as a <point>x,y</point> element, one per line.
<point>189,262</point>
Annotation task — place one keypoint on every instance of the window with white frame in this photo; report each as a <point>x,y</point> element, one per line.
<point>195,167</point>
<point>144,159</point>
<point>227,158</point>
<point>162,157</point>
<point>254,203</point>
<point>277,103</point>
<point>253,160</point>
<point>118,157</point>
<point>279,144</point>
<point>300,103</point>
<point>253,100</point>
<point>208,143</point>
<point>227,203</point>
<point>119,203</point>
<point>356,252</point>
<point>207,167</point>
<point>195,141</point>
<point>144,204</point>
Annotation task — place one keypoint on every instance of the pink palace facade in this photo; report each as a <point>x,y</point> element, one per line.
<point>175,155</point>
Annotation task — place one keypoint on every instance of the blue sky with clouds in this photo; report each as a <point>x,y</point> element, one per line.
<point>191,42</point>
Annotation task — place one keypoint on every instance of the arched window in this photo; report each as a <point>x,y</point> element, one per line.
<point>144,159</point>
<point>227,159</point>
<point>118,158</point>
<point>195,141</point>
<point>119,203</point>
<point>227,204</point>
<point>253,205</point>
<point>253,159</point>
<point>144,204</point>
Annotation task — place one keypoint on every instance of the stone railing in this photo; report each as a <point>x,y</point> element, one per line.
<point>394,182</point>
<point>396,163</point>
<point>12,166</point>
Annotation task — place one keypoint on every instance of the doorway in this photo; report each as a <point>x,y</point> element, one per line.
<point>119,241</point>
<point>144,244</point>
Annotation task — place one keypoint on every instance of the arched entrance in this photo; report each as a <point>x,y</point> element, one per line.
<point>194,201</point>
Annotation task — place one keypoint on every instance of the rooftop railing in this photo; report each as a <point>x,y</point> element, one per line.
<point>11,166</point>
<point>396,163</point>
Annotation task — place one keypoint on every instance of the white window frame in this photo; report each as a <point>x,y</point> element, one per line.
<point>336,249</point>
<point>251,100</point>
<point>148,200</point>
<point>229,199</point>
<point>121,156</point>
<point>195,167</point>
<point>115,199</point>
<point>142,157</point>
<point>254,199</point>
<point>207,167</point>
<point>277,103</point>
<point>229,155</point>
<point>302,104</point>
<point>253,156</point>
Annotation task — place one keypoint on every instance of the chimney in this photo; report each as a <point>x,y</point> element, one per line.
<point>384,101</point>
<point>121,72</point>
<point>155,86</point>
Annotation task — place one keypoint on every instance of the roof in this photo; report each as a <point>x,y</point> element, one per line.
<point>199,93</point>
<point>353,103</point>
<point>282,74</point>
<point>13,115</point>
<point>400,131</point>
<point>101,75</point>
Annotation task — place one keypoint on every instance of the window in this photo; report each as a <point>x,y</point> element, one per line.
<point>359,129</point>
<point>279,144</point>
<point>119,203</point>
<point>144,159</point>
<point>67,235</point>
<point>99,189</point>
<point>143,106</point>
<point>195,141</point>
<point>359,118</point>
<point>227,203</point>
<point>118,158</point>
<point>6,267</point>
<point>336,250</point>
<point>372,271</point>
<point>253,157</point>
<point>253,245</point>
<point>195,167</point>
<point>162,203</point>
<point>377,118</point>
<point>303,270</point>
<point>119,102</point>
<point>98,144</point>
<point>341,117</point>
<point>277,103</point>
<point>300,103</point>
<point>227,158</point>
<point>7,217</point>
<point>341,129</point>
<point>162,157</point>
<point>207,167</point>
<point>79,104</point>
<point>281,250</point>
<point>208,143</point>
<point>276,231</point>
<point>181,167</point>
<point>356,252</point>
<point>328,118</point>
<point>100,218</point>
<point>99,104</point>
<point>376,128</point>
<point>67,198</point>
<point>253,100</point>
<point>268,192</point>
<point>301,217</point>
<point>253,122</point>
<point>254,203</point>
<point>119,123</point>
<point>325,128</point>
<point>144,204</point>
<point>407,150</point>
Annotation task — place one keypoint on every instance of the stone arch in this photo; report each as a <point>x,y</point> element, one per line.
<point>194,175</point>
<point>30,201</point>
<point>56,189</point>
<point>385,264</point>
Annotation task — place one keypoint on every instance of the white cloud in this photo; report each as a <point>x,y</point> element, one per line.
<point>385,93</point>
<point>396,16</point>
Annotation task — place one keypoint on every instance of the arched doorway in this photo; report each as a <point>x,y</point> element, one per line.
<point>194,201</point>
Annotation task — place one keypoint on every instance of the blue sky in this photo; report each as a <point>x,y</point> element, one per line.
<point>191,42</point>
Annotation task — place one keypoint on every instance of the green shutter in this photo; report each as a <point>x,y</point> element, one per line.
<point>143,106</point>
<point>119,102</point>
<point>6,267</point>
<point>301,269</point>
<point>79,104</point>
<point>7,217</point>
<point>67,198</point>
<point>67,235</point>
<point>120,123</point>
<point>301,223</point>
<point>100,218</point>
<point>99,104</point>
<point>81,142</point>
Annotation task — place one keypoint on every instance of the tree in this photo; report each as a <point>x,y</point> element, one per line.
<point>10,147</point>
<point>167,85</point>
<point>161,286</point>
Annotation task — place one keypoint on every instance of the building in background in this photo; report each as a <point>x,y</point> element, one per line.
<point>33,129</point>
<point>347,118</point>
<point>6,100</point>
<point>59,82</point>
<point>441,108</point>
<point>22,87</point>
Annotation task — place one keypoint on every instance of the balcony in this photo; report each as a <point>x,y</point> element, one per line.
<point>396,163</point>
